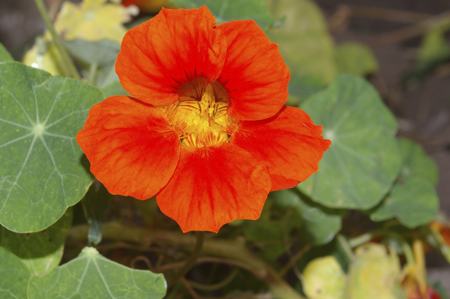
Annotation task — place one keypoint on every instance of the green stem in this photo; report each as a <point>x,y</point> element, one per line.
<point>343,243</point>
<point>294,260</point>
<point>362,239</point>
<point>66,60</point>
<point>92,73</point>
<point>215,286</point>
<point>234,250</point>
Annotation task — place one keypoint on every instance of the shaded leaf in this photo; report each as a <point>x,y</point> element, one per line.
<point>102,52</point>
<point>413,199</point>
<point>14,276</point>
<point>355,59</point>
<point>318,225</point>
<point>41,252</point>
<point>92,276</point>
<point>41,174</point>
<point>271,233</point>
<point>227,10</point>
<point>305,43</point>
<point>363,160</point>
<point>108,82</point>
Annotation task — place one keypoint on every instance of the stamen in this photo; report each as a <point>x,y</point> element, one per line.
<point>201,123</point>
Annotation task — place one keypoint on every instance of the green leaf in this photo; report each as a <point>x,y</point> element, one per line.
<point>304,41</point>
<point>92,276</point>
<point>4,54</point>
<point>113,89</point>
<point>14,276</point>
<point>301,88</point>
<point>227,10</point>
<point>108,82</point>
<point>101,53</point>
<point>434,48</point>
<point>363,160</point>
<point>41,174</point>
<point>41,252</point>
<point>271,233</point>
<point>413,200</point>
<point>318,225</point>
<point>286,212</point>
<point>355,59</point>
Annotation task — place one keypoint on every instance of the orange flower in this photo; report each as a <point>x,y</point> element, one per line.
<point>205,128</point>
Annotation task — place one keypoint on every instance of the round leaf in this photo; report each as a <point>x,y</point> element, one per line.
<point>14,276</point>
<point>92,276</point>
<point>355,59</point>
<point>41,252</point>
<point>363,160</point>
<point>413,199</point>
<point>318,225</point>
<point>305,43</point>
<point>41,173</point>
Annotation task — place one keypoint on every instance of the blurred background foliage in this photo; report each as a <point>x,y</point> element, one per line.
<point>375,76</point>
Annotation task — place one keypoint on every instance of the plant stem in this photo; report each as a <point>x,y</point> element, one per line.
<point>92,73</point>
<point>199,241</point>
<point>345,246</point>
<point>233,250</point>
<point>420,266</point>
<point>358,241</point>
<point>294,260</point>
<point>67,61</point>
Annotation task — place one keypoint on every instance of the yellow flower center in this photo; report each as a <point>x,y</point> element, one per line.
<point>201,123</point>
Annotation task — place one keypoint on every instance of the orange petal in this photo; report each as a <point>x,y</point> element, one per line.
<point>131,148</point>
<point>159,56</point>
<point>254,73</point>
<point>214,186</point>
<point>290,144</point>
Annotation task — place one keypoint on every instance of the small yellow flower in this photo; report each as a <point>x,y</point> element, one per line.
<point>43,55</point>
<point>93,20</point>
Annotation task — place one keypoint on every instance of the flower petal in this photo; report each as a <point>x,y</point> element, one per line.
<point>254,73</point>
<point>214,186</point>
<point>131,148</point>
<point>290,144</point>
<point>161,55</point>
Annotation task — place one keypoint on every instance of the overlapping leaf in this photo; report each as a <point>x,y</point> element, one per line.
<point>318,225</point>
<point>42,172</point>
<point>413,199</point>
<point>355,59</point>
<point>101,53</point>
<point>363,160</point>
<point>41,252</point>
<point>286,212</point>
<point>14,276</point>
<point>305,43</point>
<point>92,276</point>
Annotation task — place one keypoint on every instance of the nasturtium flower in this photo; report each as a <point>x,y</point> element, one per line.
<point>205,128</point>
